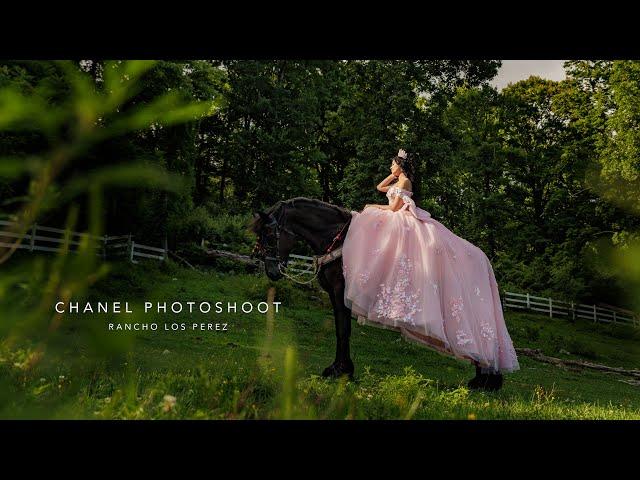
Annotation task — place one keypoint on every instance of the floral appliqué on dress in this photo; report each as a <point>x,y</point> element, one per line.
<point>456,307</point>
<point>399,302</point>
<point>463,338</point>
<point>486,331</point>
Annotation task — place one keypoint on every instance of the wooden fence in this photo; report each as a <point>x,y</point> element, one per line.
<point>559,308</point>
<point>49,239</point>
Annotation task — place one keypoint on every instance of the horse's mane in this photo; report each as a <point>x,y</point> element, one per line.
<point>256,223</point>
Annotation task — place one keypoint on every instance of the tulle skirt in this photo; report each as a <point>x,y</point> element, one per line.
<point>408,272</point>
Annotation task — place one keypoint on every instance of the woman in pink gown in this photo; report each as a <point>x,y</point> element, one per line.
<point>406,271</point>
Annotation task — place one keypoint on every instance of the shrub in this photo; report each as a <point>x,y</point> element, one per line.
<point>228,231</point>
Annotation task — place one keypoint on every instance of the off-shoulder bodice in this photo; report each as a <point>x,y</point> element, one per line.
<point>394,191</point>
<point>409,203</point>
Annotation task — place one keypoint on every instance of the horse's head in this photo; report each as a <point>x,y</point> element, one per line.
<point>275,239</point>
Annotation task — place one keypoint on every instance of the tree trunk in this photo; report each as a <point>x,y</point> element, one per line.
<point>223,178</point>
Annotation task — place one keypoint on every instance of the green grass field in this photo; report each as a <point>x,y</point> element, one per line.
<point>260,371</point>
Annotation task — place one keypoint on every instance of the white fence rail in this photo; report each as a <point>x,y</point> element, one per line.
<point>558,308</point>
<point>300,263</point>
<point>49,239</point>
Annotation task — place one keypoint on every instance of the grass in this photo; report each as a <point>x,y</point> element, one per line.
<point>254,370</point>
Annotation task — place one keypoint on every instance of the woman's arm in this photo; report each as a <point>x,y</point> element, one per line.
<point>394,207</point>
<point>397,202</point>
<point>383,186</point>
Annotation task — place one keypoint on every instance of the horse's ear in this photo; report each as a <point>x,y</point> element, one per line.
<point>253,223</point>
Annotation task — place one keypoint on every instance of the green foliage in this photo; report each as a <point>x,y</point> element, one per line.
<point>543,176</point>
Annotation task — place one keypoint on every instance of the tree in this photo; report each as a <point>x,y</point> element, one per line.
<point>474,119</point>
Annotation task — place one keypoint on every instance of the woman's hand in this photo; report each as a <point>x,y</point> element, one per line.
<point>384,184</point>
<point>370,205</point>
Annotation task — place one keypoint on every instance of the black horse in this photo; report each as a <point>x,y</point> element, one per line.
<point>323,227</point>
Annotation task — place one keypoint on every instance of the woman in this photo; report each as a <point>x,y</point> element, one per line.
<point>408,272</point>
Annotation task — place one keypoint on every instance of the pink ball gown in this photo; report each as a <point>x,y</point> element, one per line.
<point>407,272</point>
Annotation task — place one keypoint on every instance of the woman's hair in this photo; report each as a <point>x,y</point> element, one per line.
<point>408,166</point>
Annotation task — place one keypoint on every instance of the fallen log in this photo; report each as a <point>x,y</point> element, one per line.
<point>183,260</point>
<point>536,354</point>
<point>233,256</point>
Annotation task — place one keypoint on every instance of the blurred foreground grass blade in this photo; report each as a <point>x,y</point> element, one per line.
<point>12,168</point>
<point>85,103</point>
<point>290,385</point>
<point>121,80</point>
<point>27,112</point>
<point>166,110</point>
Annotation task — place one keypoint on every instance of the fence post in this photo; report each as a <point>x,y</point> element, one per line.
<point>550,308</point>
<point>165,246</point>
<point>594,314</point>
<point>34,227</point>
<point>528,301</point>
<point>573,311</point>
<point>132,247</point>
<point>614,316</point>
<point>104,247</point>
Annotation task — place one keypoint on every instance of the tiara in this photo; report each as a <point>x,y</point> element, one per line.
<point>402,154</point>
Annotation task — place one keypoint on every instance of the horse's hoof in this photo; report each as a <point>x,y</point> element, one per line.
<point>494,382</point>
<point>336,371</point>
<point>476,382</point>
<point>484,381</point>
<point>329,371</point>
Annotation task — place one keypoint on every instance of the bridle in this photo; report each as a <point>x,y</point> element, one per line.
<point>261,252</point>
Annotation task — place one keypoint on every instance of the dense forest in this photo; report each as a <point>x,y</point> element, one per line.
<point>543,175</point>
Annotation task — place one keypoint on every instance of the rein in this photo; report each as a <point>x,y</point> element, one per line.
<point>329,256</point>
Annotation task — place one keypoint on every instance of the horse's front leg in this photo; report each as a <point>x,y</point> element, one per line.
<point>342,365</point>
